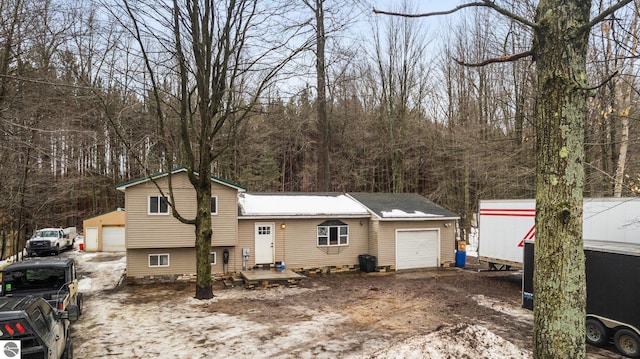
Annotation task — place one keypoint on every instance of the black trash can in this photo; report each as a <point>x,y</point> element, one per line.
<point>367,263</point>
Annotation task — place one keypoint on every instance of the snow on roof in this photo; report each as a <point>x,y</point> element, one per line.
<point>299,205</point>
<point>398,213</point>
<point>402,206</point>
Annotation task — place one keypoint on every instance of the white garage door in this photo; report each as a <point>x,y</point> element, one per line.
<point>113,239</point>
<point>417,249</point>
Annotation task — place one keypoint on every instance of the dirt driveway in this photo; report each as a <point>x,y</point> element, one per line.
<point>349,315</point>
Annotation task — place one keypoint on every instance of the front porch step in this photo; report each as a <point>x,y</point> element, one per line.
<point>271,278</point>
<point>232,281</point>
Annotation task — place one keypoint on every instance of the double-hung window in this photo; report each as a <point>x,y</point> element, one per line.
<point>158,260</point>
<point>332,233</point>
<point>158,205</point>
<point>214,205</point>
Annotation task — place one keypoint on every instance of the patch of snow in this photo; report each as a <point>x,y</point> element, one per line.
<point>459,341</point>
<point>180,326</point>
<point>102,275</point>
<point>520,314</point>
<point>398,213</point>
<point>298,205</point>
<point>121,324</point>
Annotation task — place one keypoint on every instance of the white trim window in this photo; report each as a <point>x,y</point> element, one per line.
<point>158,205</point>
<point>332,233</point>
<point>213,258</point>
<point>214,205</point>
<point>158,260</point>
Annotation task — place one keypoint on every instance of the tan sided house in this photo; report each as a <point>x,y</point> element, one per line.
<point>306,231</point>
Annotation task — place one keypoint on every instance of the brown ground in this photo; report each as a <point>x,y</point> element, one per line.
<point>388,306</point>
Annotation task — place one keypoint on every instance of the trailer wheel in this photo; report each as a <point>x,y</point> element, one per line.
<point>596,332</point>
<point>627,342</point>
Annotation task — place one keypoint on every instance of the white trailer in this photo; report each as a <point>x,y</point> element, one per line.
<point>504,225</point>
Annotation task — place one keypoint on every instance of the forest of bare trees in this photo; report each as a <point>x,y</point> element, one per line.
<point>77,112</point>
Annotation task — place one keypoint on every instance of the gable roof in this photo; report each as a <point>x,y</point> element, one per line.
<point>299,204</point>
<point>117,210</point>
<point>137,181</point>
<point>402,206</point>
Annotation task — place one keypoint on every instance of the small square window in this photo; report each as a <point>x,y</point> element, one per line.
<point>158,205</point>
<point>212,258</point>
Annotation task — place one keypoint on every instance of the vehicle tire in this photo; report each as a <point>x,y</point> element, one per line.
<point>68,351</point>
<point>627,342</point>
<point>57,250</point>
<point>597,333</point>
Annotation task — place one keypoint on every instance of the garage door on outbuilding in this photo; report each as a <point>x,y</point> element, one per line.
<point>113,239</point>
<point>417,248</point>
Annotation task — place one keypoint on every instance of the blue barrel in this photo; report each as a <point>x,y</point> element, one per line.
<point>461,259</point>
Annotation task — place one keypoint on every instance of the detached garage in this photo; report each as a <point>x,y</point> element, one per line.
<point>105,232</point>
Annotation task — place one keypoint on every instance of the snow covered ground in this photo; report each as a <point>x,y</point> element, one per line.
<point>123,324</point>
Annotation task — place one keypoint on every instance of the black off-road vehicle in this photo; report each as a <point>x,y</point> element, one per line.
<point>32,329</point>
<point>53,279</point>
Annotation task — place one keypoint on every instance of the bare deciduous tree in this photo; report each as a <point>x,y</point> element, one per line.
<point>560,40</point>
<point>220,62</point>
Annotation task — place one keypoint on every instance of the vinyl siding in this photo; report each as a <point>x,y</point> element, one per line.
<point>181,261</point>
<point>225,223</point>
<point>387,239</point>
<point>164,231</point>
<point>374,228</point>
<point>233,266</point>
<point>246,240</point>
<point>296,245</point>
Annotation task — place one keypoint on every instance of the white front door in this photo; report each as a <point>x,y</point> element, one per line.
<point>264,243</point>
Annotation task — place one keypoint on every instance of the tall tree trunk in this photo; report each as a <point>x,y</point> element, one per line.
<point>622,155</point>
<point>204,235</point>
<point>623,113</point>
<point>397,169</point>
<point>324,174</point>
<point>560,44</point>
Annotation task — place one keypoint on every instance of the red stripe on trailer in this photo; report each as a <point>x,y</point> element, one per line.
<point>521,212</point>
<point>530,235</point>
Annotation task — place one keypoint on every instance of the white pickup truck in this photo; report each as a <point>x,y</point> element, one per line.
<point>51,241</point>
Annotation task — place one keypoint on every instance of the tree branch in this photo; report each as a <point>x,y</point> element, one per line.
<point>484,3</point>
<point>427,14</point>
<point>603,15</point>
<point>509,14</point>
<point>509,58</point>
<point>600,84</point>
